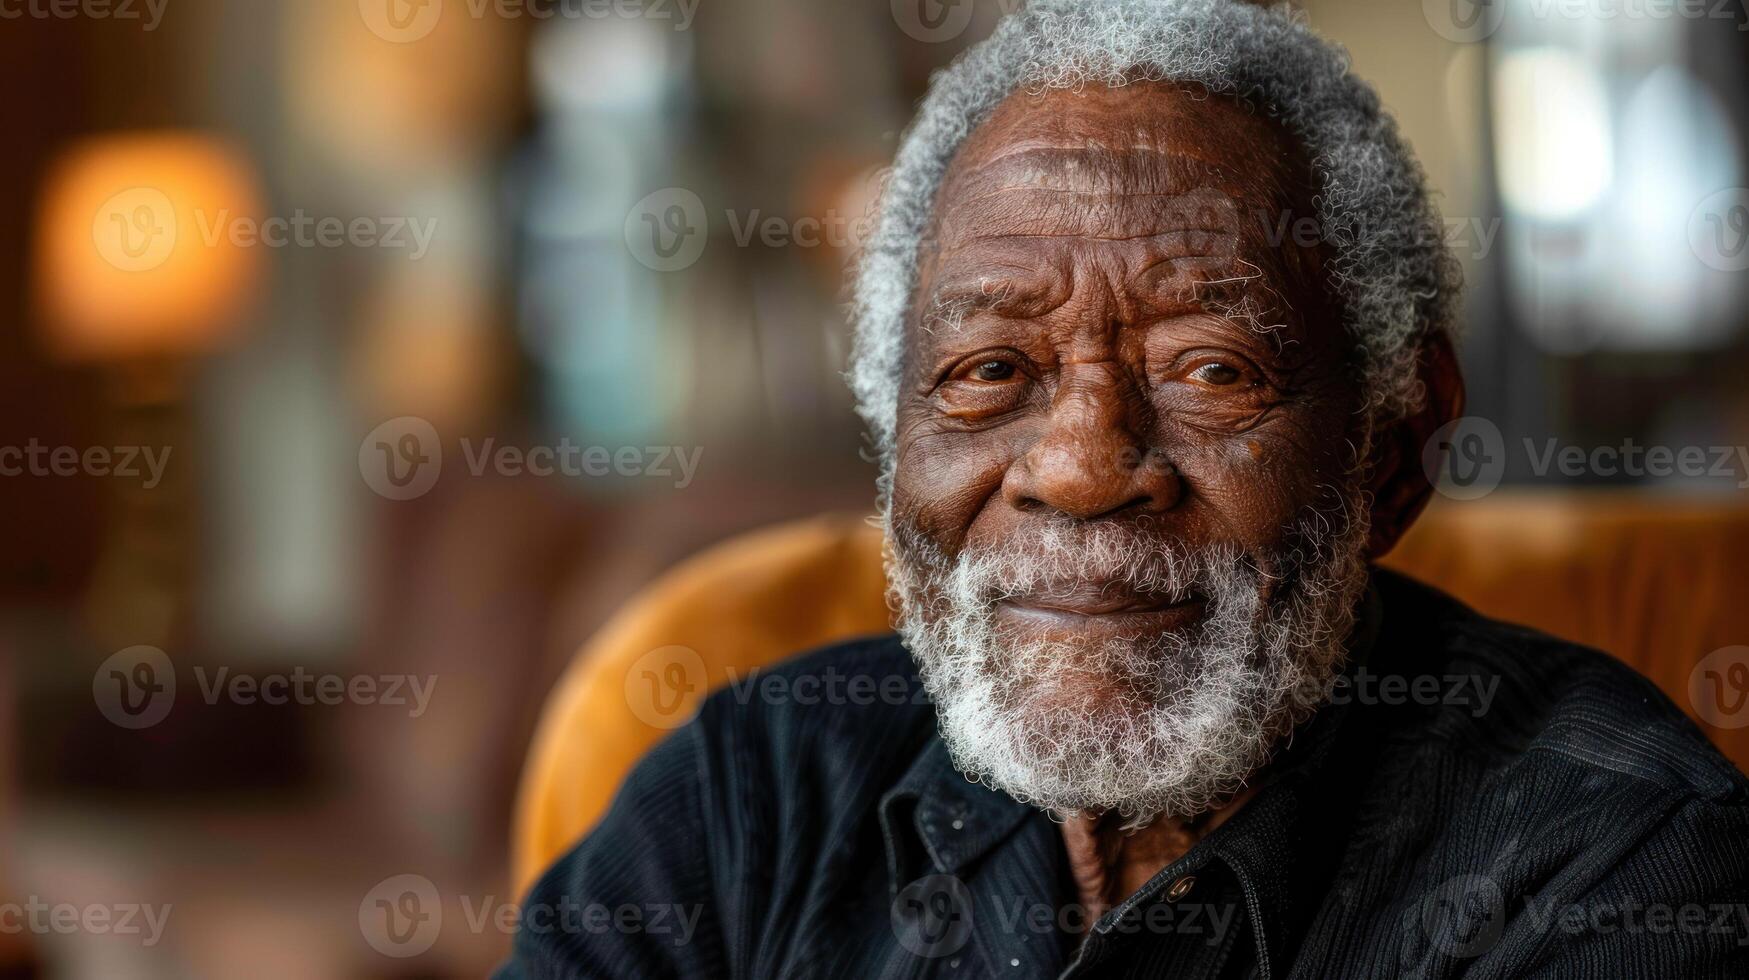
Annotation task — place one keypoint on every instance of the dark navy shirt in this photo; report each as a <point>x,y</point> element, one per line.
<point>1476,800</point>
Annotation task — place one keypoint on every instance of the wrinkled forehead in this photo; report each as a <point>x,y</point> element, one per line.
<point>1138,140</point>
<point>1150,172</point>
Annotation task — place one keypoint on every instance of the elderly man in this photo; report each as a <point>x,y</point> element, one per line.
<point>1141,436</point>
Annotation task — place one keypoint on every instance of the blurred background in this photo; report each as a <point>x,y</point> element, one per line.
<point>386,347</point>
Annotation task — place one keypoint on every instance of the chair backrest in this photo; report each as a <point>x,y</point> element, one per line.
<point>1659,584</point>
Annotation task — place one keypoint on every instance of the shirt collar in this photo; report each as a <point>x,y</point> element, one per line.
<point>957,820</point>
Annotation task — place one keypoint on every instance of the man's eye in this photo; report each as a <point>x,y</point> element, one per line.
<point>984,386</point>
<point>993,371</point>
<point>1216,373</point>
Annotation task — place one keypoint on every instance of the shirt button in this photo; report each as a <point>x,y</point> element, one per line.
<point>1180,888</point>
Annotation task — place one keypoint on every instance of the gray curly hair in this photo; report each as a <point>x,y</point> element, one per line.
<point>1397,283</point>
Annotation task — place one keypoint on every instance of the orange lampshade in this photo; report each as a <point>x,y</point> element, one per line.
<point>134,251</point>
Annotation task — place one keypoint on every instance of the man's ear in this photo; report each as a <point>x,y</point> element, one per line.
<point>1398,484</point>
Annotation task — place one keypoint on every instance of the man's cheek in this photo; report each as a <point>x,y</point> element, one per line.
<point>1257,487</point>
<point>941,486</point>
<point>1294,442</point>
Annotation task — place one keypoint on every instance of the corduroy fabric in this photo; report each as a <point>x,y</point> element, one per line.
<point>1478,800</point>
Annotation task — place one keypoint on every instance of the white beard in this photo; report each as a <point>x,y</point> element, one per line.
<point>1201,710</point>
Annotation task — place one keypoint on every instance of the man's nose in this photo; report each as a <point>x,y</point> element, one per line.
<point>1091,462</point>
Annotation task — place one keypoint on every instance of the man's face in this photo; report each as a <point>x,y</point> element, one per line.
<point>1125,512</point>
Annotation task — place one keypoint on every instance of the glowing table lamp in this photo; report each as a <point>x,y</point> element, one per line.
<point>135,256</point>
<point>138,272</point>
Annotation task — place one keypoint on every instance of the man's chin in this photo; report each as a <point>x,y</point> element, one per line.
<point>1070,703</point>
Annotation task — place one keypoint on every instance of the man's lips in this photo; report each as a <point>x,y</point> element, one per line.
<point>1097,609</point>
<point>1094,605</point>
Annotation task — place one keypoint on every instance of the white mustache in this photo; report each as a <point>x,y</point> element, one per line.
<point>1063,562</point>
